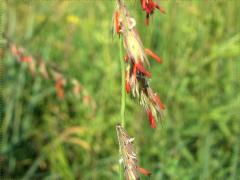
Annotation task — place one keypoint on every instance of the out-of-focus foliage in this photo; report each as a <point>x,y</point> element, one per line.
<point>199,82</point>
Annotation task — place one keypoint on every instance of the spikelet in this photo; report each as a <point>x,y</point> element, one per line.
<point>129,157</point>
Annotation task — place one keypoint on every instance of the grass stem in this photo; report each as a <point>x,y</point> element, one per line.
<point>123,99</point>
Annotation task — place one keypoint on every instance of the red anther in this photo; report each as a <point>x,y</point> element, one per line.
<point>159,102</point>
<point>151,119</point>
<point>143,4</point>
<point>117,24</point>
<point>141,69</point>
<point>144,171</point>
<point>127,86</point>
<point>154,56</point>
<point>126,58</point>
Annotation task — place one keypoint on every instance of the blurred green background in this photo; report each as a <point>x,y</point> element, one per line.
<point>44,137</point>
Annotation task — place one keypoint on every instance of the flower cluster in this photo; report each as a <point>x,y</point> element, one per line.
<point>137,75</point>
<point>129,157</point>
<point>52,73</point>
<point>149,6</point>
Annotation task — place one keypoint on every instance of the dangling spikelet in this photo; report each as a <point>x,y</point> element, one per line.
<point>129,157</point>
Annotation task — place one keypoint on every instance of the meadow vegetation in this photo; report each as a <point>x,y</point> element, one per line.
<point>47,137</point>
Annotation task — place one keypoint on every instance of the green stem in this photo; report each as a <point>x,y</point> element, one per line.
<point>123,100</point>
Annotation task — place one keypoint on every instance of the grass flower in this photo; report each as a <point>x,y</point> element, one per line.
<point>21,55</point>
<point>137,74</point>
<point>52,73</point>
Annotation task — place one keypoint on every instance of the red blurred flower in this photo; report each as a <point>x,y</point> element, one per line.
<point>26,59</point>
<point>59,85</point>
<point>149,6</point>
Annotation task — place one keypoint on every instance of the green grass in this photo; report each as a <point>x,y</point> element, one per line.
<point>199,82</point>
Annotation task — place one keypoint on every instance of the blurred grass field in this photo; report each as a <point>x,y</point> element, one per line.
<point>44,137</point>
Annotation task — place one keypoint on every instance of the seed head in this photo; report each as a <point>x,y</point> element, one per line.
<point>137,73</point>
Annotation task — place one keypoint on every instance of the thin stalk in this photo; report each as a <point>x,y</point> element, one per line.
<point>123,101</point>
